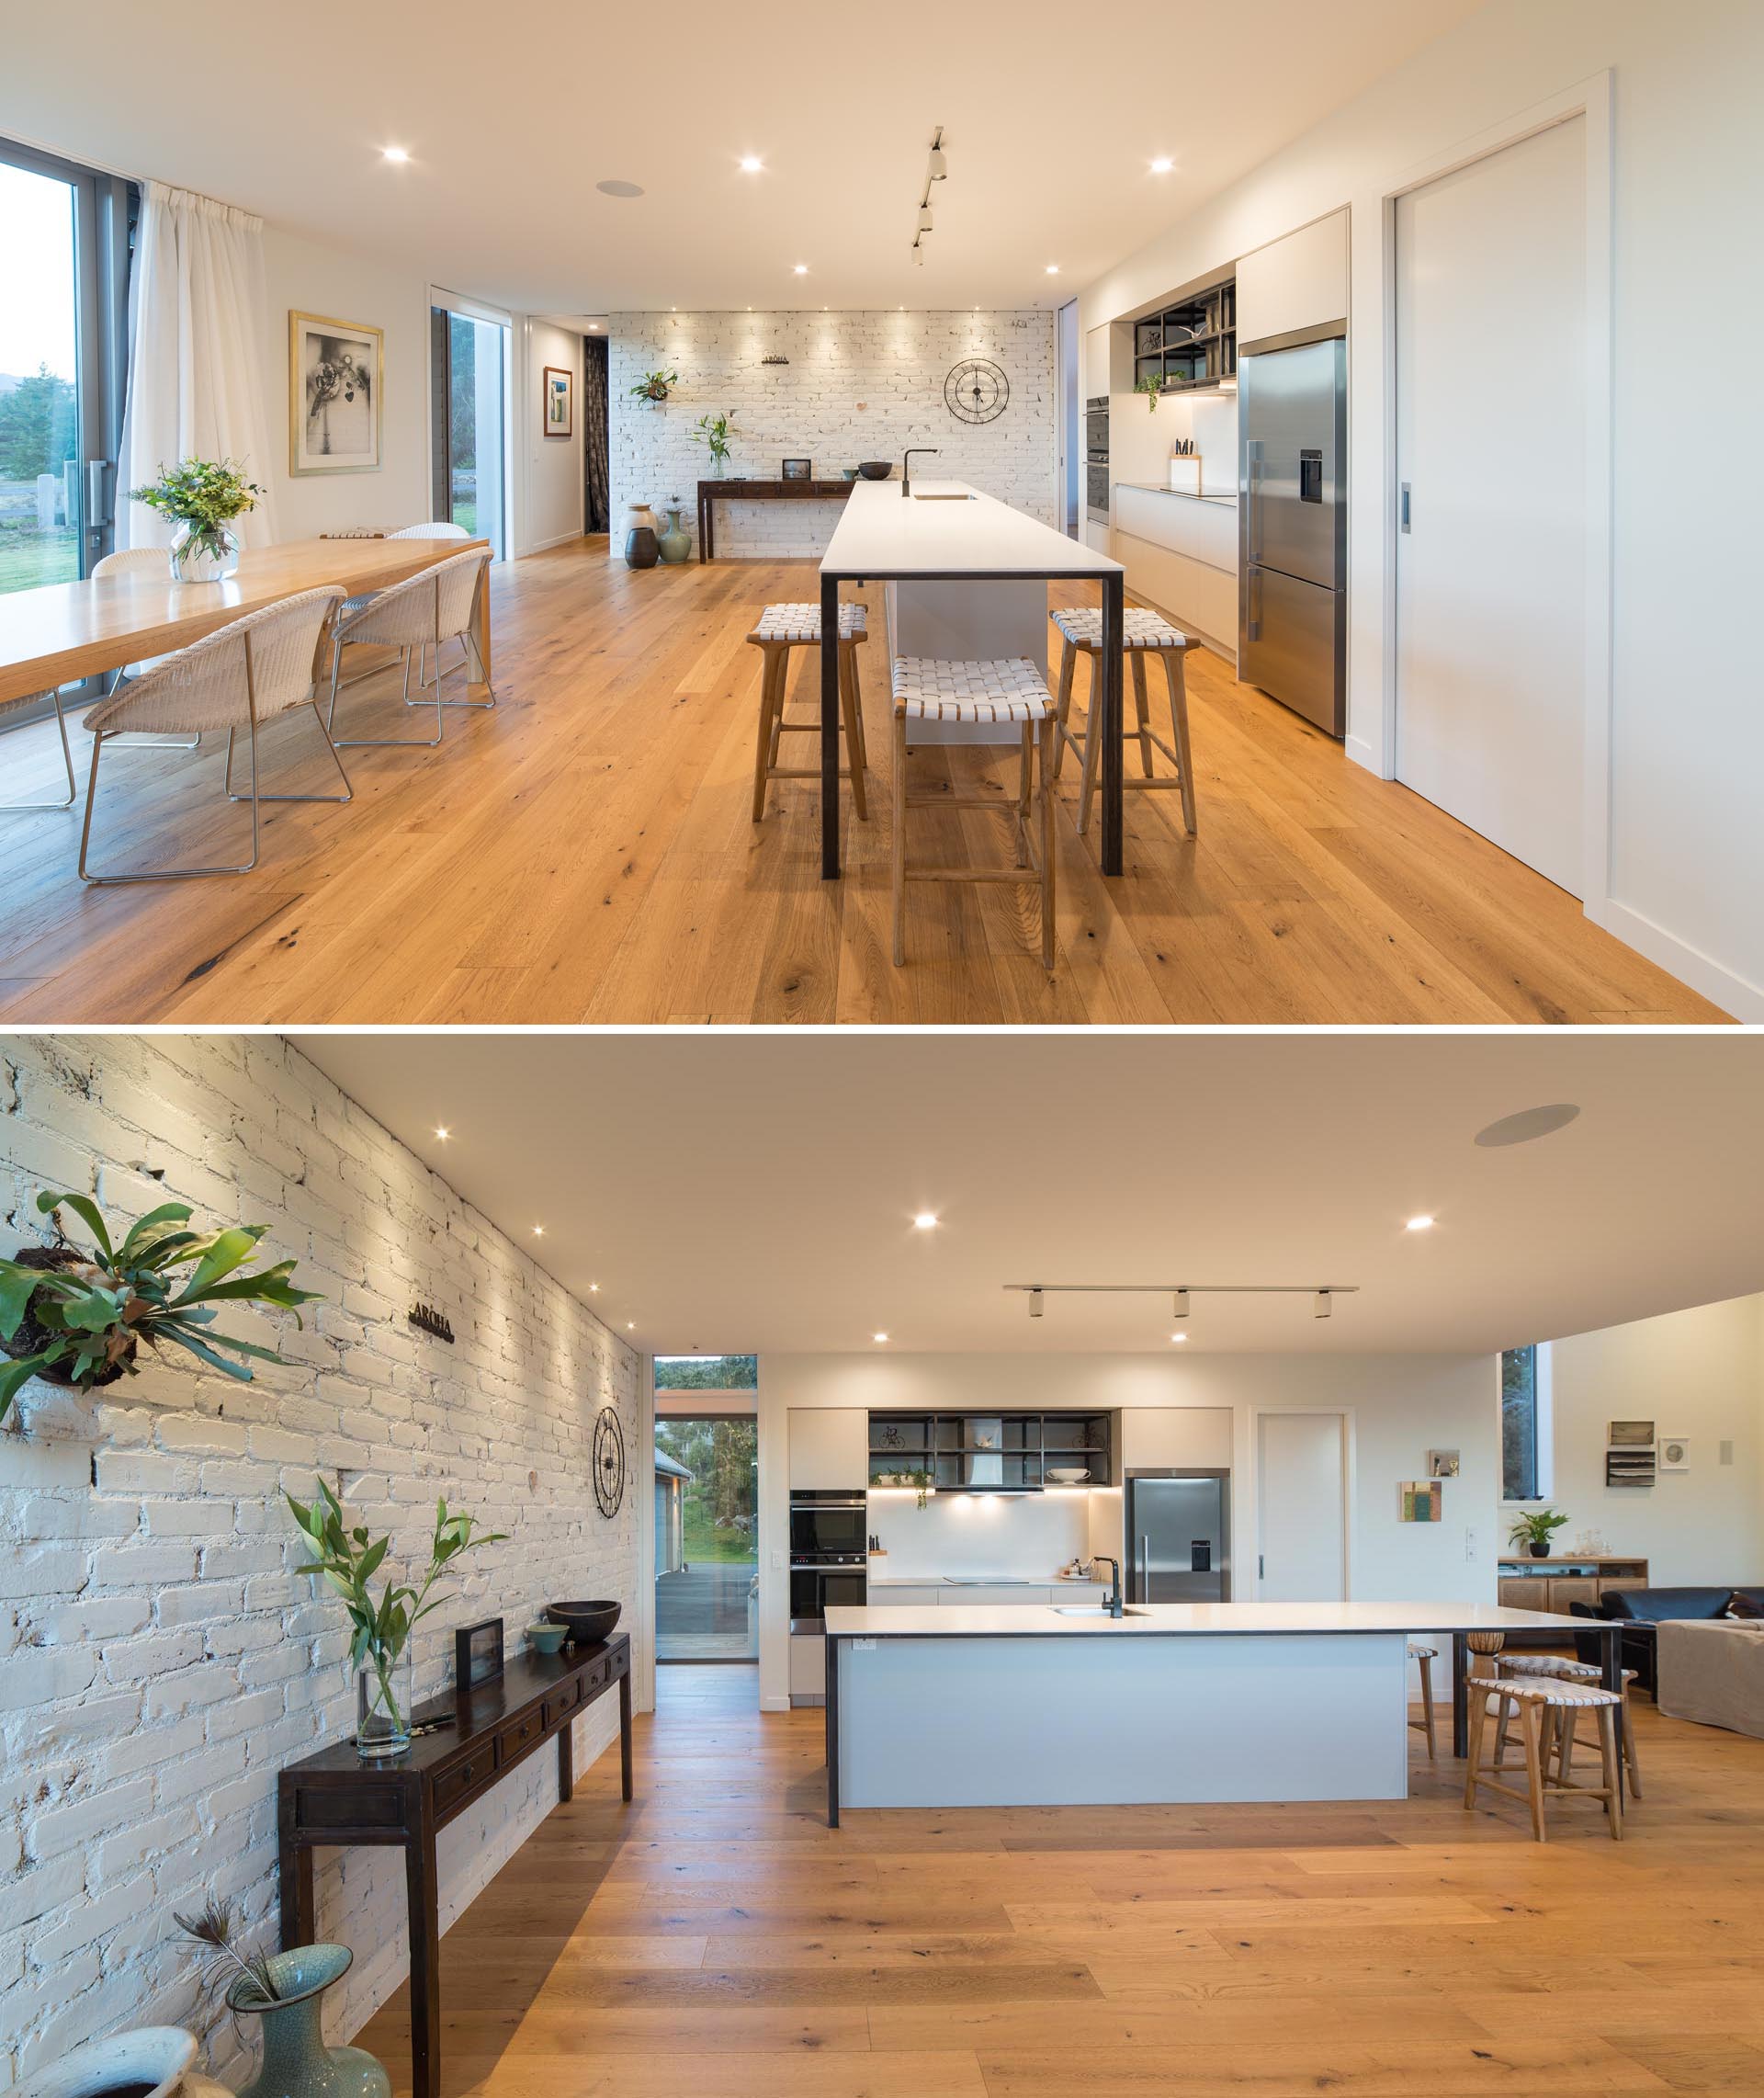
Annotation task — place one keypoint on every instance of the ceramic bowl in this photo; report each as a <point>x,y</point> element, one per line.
<point>547,1639</point>
<point>1067,1475</point>
<point>586,1622</point>
<point>876,468</point>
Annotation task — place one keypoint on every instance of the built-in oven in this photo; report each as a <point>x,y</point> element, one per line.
<point>818,1586</point>
<point>1096,427</point>
<point>1096,459</point>
<point>825,1522</point>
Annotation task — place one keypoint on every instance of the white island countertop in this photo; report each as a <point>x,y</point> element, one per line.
<point>1021,1620</point>
<point>882,533</point>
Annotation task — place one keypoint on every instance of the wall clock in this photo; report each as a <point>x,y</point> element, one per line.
<point>976,390</point>
<point>610,1462</point>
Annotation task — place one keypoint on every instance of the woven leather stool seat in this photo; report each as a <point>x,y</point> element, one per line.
<point>801,623</point>
<point>1082,626</point>
<point>1005,689</point>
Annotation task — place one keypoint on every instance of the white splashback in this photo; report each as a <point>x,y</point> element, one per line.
<point>1032,1538</point>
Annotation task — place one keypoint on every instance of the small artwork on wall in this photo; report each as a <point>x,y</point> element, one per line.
<point>560,401</point>
<point>1631,1435</point>
<point>1442,1464</point>
<point>1419,1500</point>
<point>1675,1453</point>
<point>335,375</point>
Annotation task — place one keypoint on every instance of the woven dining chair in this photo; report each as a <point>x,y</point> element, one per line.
<point>241,676</point>
<point>39,808</point>
<point>438,605</point>
<point>437,530</point>
<point>138,560</point>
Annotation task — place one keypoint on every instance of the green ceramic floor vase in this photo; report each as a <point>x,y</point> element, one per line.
<point>675,543</point>
<point>297,2063</point>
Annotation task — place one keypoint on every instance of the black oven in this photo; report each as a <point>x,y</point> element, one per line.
<point>1096,459</point>
<point>1096,427</point>
<point>815,1589</point>
<point>825,1522</point>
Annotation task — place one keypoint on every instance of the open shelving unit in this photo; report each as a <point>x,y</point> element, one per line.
<point>989,1453</point>
<point>1191,344</point>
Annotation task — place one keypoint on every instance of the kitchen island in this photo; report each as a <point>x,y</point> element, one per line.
<point>966,579</point>
<point>1063,1704</point>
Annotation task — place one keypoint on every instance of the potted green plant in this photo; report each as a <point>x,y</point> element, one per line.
<point>1151,386</point>
<point>380,1652</point>
<point>78,1318</point>
<point>712,431</point>
<point>655,386</point>
<point>202,497</point>
<point>921,1482</point>
<point>1532,1531</point>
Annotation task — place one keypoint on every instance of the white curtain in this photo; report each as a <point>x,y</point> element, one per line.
<point>196,361</point>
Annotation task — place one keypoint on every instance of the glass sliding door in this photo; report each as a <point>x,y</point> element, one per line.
<point>468,381</point>
<point>707,1509</point>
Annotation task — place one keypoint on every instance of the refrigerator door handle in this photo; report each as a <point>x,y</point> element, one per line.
<point>1252,461</point>
<point>1144,1568</point>
<point>1254,622</point>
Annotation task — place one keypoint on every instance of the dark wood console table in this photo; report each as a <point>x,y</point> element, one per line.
<point>758,492</point>
<point>334,1797</point>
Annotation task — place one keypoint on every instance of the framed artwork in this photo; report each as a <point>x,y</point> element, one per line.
<point>1419,1500</point>
<point>477,1653</point>
<point>560,401</point>
<point>1442,1464</point>
<point>1631,1435</point>
<point>1675,1453</point>
<point>798,470</point>
<point>335,370</point>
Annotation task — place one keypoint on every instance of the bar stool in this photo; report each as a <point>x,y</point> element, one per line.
<point>1532,1667</point>
<point>1424,1657</point>
<point>780,628</point>
<point>1546,1708</point>
<point>1007,689</point>
<point>1144,633</point>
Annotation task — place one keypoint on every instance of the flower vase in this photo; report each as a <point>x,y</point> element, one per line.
<point>676,543</point>
<point>641,550</point>
<point>201,554</point>
<point>297,2063</point>
<point>383,1707</point>
<point>156,2062</point>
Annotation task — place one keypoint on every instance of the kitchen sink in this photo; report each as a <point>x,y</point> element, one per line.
<point>954,495</point>
<point>1093,1610</point>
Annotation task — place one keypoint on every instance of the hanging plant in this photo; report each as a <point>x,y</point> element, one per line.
<point>655,386</point>
<point>1151,386</point>
<point>78,1319</point>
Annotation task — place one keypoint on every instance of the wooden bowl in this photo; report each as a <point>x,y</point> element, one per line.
<point>587,1621</point>
<point>876,468</point>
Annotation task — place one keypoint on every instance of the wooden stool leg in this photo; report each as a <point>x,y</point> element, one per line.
<point>900,842</point>
<point>1142,709</point>
<point>863,757</point>
<point>1629,1746</point>
<point>1025,791</point>
<point>1063,701</point>
<point>1426,1661</point>
<point>1530,1721</point>
<point>848,705</point>
<point>1567,1721</point>
<point>1049,768</point>
<point>780,680</point>
<point>1613,1776</point>
<point>765,741</point>
<point>1501,1731</point>
<point>1178,683</point>
<point>1473,1756</point>
<point>1092,745</point>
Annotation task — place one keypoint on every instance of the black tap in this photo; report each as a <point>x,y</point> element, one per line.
<point>905,466</point>
<point>1111,1602</point>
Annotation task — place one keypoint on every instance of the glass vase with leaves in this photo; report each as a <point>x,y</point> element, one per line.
<point>380,1652</point>
<point>712,431</point>
<point>201,496</point>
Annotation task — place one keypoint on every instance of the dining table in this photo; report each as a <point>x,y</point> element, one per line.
<point>61,632</point>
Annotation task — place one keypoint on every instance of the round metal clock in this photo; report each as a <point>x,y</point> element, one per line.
<point>610,1462</point>
<point>976,390</point>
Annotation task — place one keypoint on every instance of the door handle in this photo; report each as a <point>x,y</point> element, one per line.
<point>1261,1566</point>
<point>1254,619</point>
<point>96,509</point>
<point>1404,513</point>
<point>1253,456</point>
<point>1145,1569</point>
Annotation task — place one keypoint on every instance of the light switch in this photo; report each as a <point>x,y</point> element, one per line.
<point>777,1562</point>
<point>1469,1543</point>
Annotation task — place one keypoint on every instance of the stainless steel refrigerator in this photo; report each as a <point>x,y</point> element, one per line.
<point>1293,528</point>
<point>1179,1540</point>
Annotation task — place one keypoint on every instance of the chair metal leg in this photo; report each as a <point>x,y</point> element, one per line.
<point>32,808</point>
<point>384,742</point>
<point>423,681</point>
<point>349,793</point>
<point>161,873</point>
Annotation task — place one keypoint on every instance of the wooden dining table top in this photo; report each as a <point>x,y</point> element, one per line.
<point>63,631</point>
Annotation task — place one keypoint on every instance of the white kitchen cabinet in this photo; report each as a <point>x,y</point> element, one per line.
<point>967,1598</point>
<point>1298,282</point>
<point>830,1447</point>
<point>1181,555</point>
<point>807,1665</point>
<point>903,1595</point>
<point>1166,1437</point>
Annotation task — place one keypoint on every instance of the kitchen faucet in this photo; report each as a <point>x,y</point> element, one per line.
<point>1112,1601</point>
<point>905,466</point>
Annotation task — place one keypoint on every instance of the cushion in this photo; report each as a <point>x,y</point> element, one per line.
<point>931,688</point>
<point>1746,1608</point>
<point>1082,626</point>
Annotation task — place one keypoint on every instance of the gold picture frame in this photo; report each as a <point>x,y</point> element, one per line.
<point>336,373</point>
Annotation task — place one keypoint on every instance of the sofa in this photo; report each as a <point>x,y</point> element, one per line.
<point>1712,1671</point>
<point>1642,1610</point>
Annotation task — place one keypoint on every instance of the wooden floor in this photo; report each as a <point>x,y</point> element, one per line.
<point>717,1940</point>
<point>586,854</point>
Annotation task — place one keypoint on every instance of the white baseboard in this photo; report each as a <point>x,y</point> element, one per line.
<point>1361,753</point>
<point>774,1704</point>
<point>558,539</point>
<point>1730,991</point>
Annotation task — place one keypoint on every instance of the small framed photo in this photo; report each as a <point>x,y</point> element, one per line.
<point>1419,1500</point>
<point>1442,1464</point>
<point>560,401</point>
<point>1631,1435</point>
<point>334,376</point>
<point>1675,1453</point>
<point>477,1653</point>
<point>798,470</point>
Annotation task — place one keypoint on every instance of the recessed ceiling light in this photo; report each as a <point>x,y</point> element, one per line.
<point>539,1230</point>
<point>630,1325</point>
<point>393,153</point>
<point>801,270</point>
<point>1418,1224</point>
<point>878,1336</point>
<point>1053,269</point>
<point>751,163</point>
<point>1178,1336</point>
<point>444,1134</point>
<point>1161,166</point>
<point>924,1222</point>
<point>593,1289</point>
<point>1527,1126</point>
<point>619,188</point>
<point>593,327</point>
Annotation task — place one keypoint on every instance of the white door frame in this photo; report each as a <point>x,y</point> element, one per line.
<point>1064,436</point>
<point>1590,99</point>
<point>1350,1470</point>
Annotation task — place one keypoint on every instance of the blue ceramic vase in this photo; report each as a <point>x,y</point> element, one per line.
<point>297,2063</point>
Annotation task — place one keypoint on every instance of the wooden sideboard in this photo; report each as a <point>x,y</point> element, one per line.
<point>1552,1584</point>
<point>711,492</point>
<point>334,1797</point>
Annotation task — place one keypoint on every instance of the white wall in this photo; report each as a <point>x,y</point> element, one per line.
<point>160,1659</point>
<point>1686,859</point>
<point>1699,1374</point>
<point>1401,1407</point>
<point>555,489</point>
<point>857,386</point>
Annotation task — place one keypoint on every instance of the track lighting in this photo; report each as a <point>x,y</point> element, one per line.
<point>1034,1303</point>
<point>1178,1304</point>
<point>1320,1305</point>
<point>936,170</point>
<point>939,165</point>
<point>918,256</point>
<point>924,217</point>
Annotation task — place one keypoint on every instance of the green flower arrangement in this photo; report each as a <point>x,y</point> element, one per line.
<point>712,431</point>
<point>204,496</point>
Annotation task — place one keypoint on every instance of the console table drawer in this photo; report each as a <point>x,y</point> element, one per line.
<point>455,1783</point>
<point>562,1700</point>
<point>518,1736</point>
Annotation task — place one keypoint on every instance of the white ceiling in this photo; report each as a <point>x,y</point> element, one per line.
<point>749,1192</point>
<point>1052,114</point>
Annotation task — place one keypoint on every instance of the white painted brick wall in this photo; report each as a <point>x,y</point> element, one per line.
<point>159,1659</point>
<point>858,385</point>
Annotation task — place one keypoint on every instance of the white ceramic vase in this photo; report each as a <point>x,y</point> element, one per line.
<point>154,2061</point>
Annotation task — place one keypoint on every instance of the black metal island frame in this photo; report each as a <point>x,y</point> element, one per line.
<point>944,532</point>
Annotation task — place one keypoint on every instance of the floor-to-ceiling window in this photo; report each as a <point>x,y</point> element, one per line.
<point>469,436</point>
<point>706,1508</point>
